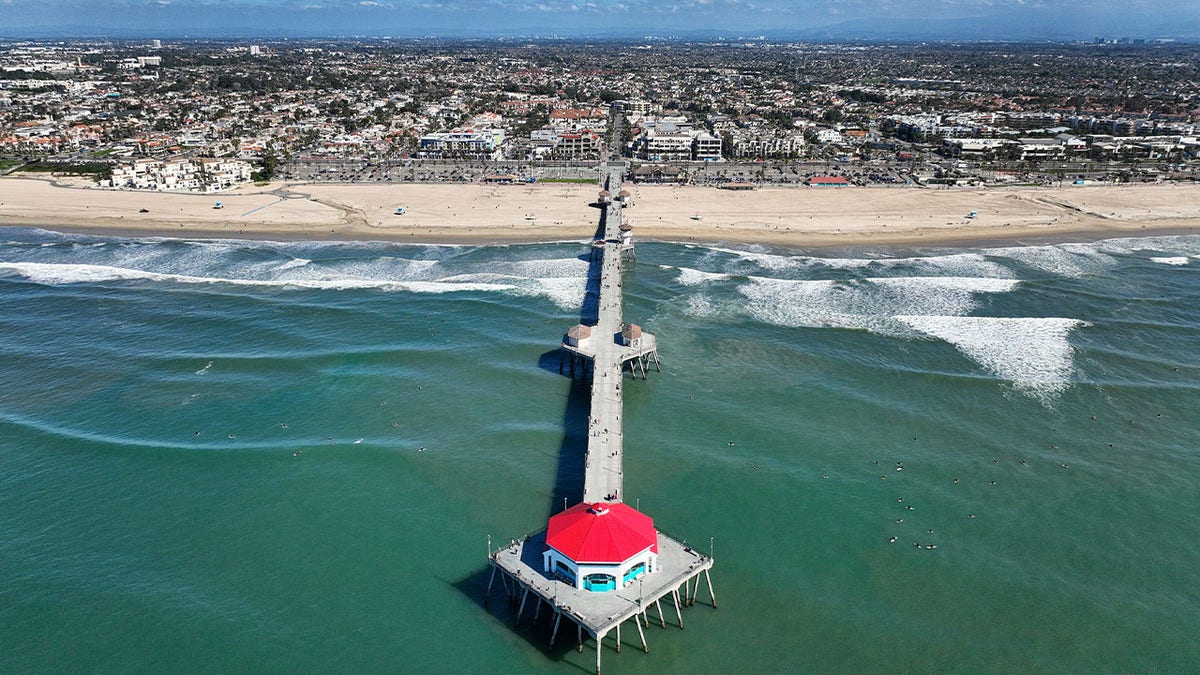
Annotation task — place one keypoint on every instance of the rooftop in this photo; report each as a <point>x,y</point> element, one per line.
<point>601,533</point>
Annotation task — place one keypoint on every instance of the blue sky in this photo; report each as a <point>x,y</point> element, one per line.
<point>949,19</point>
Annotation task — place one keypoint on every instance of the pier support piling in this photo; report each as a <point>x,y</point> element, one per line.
<point>599,642</point>
<point>557,620</point>
<point>711,595</point>
<point>488,593</point>
<point>524,597</point>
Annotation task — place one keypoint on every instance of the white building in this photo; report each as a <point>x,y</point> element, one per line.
<point>765,143</point>
<point>673,139</point>
<point>829,136</point>
<point>706,147</point>
<point>463,142</point>
<point>180,175</point>
<point>666,146</point>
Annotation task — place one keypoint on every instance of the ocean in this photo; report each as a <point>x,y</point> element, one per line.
<point>250,456</point>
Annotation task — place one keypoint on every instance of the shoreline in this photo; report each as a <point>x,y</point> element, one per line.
<point>962,240</point>
<point>478,214</point>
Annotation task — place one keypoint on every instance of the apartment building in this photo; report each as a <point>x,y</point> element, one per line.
<point>180,175</point>
<point>462,143</point>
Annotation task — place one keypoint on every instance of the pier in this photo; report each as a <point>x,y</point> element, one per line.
<point>665,571</point>
<point>608,348</point>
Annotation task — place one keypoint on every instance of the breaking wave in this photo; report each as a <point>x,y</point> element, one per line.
<point>61,274</point>
<point>72,259</point>
<point>1034,354</point>
<point>868,304</point>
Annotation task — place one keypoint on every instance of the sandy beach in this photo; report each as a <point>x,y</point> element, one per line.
<point>797,216</point>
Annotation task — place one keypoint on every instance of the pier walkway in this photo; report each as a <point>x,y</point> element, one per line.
<point>608,347</point>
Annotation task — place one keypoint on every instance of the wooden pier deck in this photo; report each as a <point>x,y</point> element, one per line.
<point>596,615</point>
<point>680,567</point>
<point>606,439</point>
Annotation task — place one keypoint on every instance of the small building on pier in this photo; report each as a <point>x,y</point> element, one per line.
<point>600,547</point>
<point>631,335</point>
<point>577,335</point>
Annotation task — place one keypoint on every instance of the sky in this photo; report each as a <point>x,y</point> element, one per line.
<point>804,19</point>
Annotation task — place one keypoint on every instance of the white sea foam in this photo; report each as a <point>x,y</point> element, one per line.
<point>415,267</point>
<point>700,306</point>
<point>60,274</point>
<point>444,287</point>
<point>561,280</point>
<point>544,268</point>
<point>867,304</point>
<point>768,261</point>
<point>693,277</point>
<point>566,292</point>
<point>1075,260</point>
<point>953,264</point>
<point>798,303</point>
<point>1067,260</point>
<point>950,284</point>
<point>1170,244</point>
<point>1032,353</point>
<point>292,264</point>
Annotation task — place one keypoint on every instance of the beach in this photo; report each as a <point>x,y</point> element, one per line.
<point>479,213</point>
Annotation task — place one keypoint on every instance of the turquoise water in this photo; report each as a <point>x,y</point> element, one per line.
<point>248,456</point>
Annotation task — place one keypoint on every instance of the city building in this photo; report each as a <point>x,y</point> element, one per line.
<point>574,119</point>
<point>180,175</point>
<point>462,143</point>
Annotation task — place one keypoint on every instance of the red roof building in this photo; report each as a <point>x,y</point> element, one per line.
<point>599,546</point>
